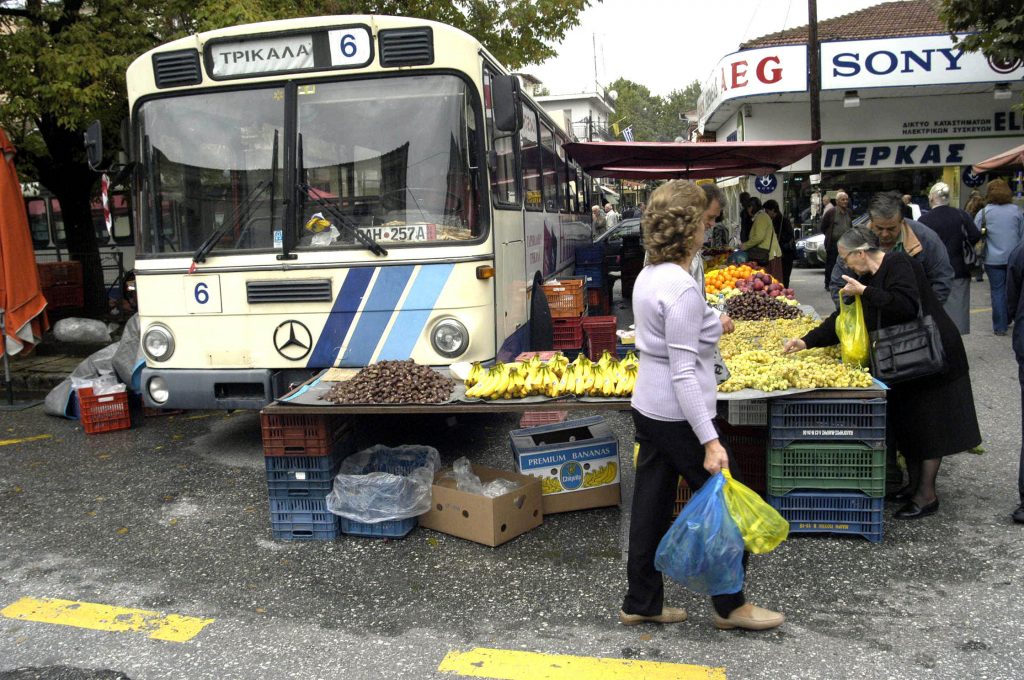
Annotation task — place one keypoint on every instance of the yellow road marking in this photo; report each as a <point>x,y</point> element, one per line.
<point>500,664</point>
<point>8,442</point>
<point>169,628</point>
<point>979,310</point>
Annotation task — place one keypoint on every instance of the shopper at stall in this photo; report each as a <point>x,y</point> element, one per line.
<point>787,240</point>
<point>895,233</point>
<point>957,231</point>
<point>928,417</point>
<point>1015,299</point>
<point>1003,227</point>
<point>674,403</point>
<point>746,217</point>
<point>834,223</point>
<point>598,220</point>
<point>763,245</point>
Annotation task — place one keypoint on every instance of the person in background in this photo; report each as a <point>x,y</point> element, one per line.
<point>975,202</point>
<point>1015,300</point>
<point>956,229</point>
<point>927,418</point>
<point>598,221</point>
<point>787,240</point>
<point>911,210</point>
<point>834,223</point>
<point>1001,224</point>
<point>763,245</point>
<point>746,217</point>
<point>674,404</point>
<point>610,216</point>
<point>826,205</point>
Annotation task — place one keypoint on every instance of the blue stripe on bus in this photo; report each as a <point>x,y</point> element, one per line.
<point>374,317</point>
<point>418,307</point>
<point>338,321</point>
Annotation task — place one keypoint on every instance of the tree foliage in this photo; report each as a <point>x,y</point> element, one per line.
<point>997,26</point>
<point>653,118</point>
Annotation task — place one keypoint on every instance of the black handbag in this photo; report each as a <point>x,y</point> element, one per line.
<point>906,351</point>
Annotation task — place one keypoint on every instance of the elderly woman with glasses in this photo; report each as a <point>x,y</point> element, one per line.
<point>929,417</point>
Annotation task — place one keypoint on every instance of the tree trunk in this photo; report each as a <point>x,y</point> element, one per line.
<point>66,173</point>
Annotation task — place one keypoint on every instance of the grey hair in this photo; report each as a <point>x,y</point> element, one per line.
<point>859,238</point>
<point>713,193</point>
<point>939,193</point>
<point>886,205</point>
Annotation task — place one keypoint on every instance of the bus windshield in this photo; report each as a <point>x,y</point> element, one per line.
<point>394,157</point>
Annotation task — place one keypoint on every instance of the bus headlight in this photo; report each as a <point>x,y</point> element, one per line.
<point>158,343</point>
<point>449,338</point>
<point>158,391</point>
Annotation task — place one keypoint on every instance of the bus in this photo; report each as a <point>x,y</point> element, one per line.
<point>333,192</point>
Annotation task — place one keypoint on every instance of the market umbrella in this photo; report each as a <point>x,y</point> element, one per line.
<point>22,301</point>
<point>1012,157</point>
<point>694,160</point>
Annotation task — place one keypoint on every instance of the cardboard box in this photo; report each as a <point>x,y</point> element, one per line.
<point>577,462</point>
<point>491,521</point>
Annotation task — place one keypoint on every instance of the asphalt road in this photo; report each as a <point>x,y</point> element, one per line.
<point>172,517</point>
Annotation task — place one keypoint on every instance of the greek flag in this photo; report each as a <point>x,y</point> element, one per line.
<point>627,134</point>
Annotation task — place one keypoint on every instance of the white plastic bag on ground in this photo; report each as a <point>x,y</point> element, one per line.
<point>384,483</point>
<point>75,329</point>
<point>466,480</point>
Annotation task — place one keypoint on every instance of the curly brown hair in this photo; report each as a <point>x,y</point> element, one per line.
<point>998,192</point>
<point>671,222</point>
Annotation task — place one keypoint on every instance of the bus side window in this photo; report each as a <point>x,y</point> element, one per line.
<point>531,155</point>
<point>38,225</point>
<point>550,164</point>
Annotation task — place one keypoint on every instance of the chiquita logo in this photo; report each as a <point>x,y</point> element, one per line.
<point>571,476</point>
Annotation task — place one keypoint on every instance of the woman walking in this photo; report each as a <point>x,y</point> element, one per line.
<point>1002,227</point>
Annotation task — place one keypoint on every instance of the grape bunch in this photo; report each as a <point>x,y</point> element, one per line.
<point>753,306</point>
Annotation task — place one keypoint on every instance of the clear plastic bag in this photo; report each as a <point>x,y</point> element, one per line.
<point>760,525</point>
<point>384,483</point>
<point>466,480</point>
<point>703,549</point>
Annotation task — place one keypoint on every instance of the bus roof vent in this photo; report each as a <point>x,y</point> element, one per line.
<point>175,69</point>
<point>296,290</point>
<point>406,46</point>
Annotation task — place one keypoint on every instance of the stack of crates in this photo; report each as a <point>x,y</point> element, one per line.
<point>599,335</point>
<point>61,283</point>
<point>826,465</point>
<point>566,301</point>
<point>590,266</point>
<point>302,454</point>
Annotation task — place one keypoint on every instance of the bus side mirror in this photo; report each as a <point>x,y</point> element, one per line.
<point>94,145</point>
<point>508,113</point>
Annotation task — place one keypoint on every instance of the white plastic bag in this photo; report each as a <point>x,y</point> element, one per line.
<point>384,483</point>
<point>75,329</point>
<point>466,480</point>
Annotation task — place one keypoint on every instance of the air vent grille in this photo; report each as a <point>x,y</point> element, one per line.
<point>406,47</point>
<point>175,69</point>
<point>304,290</point>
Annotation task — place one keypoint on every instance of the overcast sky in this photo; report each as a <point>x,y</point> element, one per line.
<point>667,44</point>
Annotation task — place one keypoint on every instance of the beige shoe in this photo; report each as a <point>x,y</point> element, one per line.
<point>667,615</point>
<point>749,617</point>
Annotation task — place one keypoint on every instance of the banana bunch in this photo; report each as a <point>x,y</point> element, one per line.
<point>607,377</point>
<point>602,475</point>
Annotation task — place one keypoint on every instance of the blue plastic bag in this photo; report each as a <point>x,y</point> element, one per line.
<point>703,549</point>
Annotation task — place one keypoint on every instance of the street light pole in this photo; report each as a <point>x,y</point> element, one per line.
<point>814,76</point>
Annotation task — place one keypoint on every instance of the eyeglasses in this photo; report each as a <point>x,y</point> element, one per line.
<point>843,258</point>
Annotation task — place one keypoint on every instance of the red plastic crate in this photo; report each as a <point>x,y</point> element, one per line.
<point>536,418</point>
<point>70,296</point>
<point>59,274</point>
<point>565,298</point>
<point>568,333</point>
<point>104,412</point>
<point>597,299</point>
<point>301,435</point>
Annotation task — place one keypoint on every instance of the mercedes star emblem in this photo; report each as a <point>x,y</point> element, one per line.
<point>292,340</point>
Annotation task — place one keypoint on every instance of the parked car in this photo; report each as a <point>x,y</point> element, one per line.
<point>612,240</point>
<point>810,251</point>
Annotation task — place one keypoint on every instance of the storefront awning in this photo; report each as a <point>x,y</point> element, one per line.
<point>1011,158</point>
<point>670,160</point>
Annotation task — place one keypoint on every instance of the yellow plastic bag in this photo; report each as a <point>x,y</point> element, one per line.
<point>761,526</point>
<point>854,343</point>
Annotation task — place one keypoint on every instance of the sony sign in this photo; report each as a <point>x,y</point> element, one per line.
<point>905,62</point>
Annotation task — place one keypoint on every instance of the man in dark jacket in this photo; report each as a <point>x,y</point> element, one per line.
<point>1015,304</point>
<point>955,227</point>
<point>835,222</point>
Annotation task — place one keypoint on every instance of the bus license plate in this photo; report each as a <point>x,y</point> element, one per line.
<point>406,234</point>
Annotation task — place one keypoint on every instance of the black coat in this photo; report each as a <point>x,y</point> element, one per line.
<point>951,224</point>
<point>932,416</point>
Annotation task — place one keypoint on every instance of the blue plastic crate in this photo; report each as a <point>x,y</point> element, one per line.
<point>301,511</point>
<point>306,531</point>
<point>397,528</point>
<point>623,350</point>
<point>593,254</point>
<point>835,420</point>
<point>836,513</point>
<point>302,476</point>
<point>300,489</point>
<point>592,274</point>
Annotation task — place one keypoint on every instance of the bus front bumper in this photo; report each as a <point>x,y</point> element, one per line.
<point>225,389</point>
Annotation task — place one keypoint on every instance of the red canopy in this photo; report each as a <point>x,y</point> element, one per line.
<point>665,160</point>
<point>1012,157</point>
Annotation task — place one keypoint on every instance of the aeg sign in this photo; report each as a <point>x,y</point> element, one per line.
<point>903,62</point>
<point>752,72</point>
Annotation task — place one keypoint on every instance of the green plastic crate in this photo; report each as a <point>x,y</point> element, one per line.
<point>812,466</point>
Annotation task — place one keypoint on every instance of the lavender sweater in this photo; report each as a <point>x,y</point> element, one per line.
<point>676,333</point>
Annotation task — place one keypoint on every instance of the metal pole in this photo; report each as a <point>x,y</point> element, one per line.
<point>814,78</point>
<point>7,363</point>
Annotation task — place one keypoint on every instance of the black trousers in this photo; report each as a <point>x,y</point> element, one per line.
<point>1020,468</point>
<point>667,450</point>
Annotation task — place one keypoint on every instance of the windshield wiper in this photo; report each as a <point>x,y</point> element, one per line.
<point>239,215</point>
<point>343,220</point>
